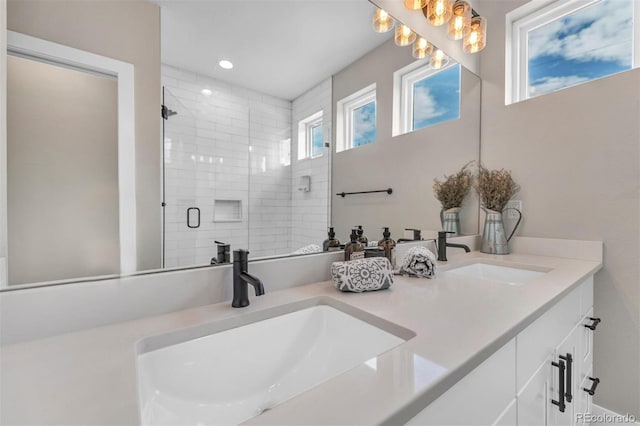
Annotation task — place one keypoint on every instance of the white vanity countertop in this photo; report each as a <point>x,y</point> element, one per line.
<point>89,377</point>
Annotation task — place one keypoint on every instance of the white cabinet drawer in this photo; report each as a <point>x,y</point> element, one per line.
<point>538,340</point>
<point>477,399</point>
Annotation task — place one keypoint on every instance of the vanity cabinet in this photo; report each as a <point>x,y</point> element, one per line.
<point>554,394</point>
<point>531,364</point>
<point>482,397</point>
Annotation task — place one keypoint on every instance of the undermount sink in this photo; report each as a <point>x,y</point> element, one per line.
<point>501,274</point>
<point>235,374</point>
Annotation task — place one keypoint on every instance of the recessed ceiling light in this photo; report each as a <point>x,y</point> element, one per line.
<point>226,64</point>
<point>206,92</point>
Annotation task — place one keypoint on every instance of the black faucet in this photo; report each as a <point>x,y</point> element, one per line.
<point>443,244</point>
<point>242,279</point>
<point>224,254</point>
<point>417,236</point>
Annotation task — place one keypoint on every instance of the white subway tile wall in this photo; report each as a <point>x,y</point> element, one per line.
<point>270,178</point>
<point>235,144</point>
<point>310,211</point>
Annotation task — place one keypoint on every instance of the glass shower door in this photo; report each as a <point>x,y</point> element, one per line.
<point>179,190</point>
<point>206,178</point>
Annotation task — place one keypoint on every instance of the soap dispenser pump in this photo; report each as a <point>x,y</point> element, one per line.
<point>354,249</point>
<point>331,243</point>
<point>361,238</point>
<point>388,245</point>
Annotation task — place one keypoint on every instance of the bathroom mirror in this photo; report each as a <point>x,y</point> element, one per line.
<point>250,155</point>
<point>255,148</point>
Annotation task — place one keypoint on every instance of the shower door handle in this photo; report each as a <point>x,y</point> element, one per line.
<point>193,216</point>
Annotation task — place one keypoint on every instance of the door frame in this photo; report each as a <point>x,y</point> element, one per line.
<point>35,48</point>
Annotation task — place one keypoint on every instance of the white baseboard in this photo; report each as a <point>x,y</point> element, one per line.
<point>607,417</point>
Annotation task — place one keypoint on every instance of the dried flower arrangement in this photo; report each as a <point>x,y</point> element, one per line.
<point>495,188</point>
<point>452,191</point>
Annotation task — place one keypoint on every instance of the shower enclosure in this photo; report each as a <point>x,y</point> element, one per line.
<point>228,177</point>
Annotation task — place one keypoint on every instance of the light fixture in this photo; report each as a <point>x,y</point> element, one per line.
<point>415,4</point>
<point>382,21</point>
<point>463,23</point>
<point>476,40</point>
<point>459,23</point>
<point>438,12</point>
<point>438,60</point>
<point>404,35</point>
<point>225,64</point>
<point>206,92</point>
<point>422,48</point>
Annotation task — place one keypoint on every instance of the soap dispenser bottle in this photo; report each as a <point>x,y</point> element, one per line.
<point>354,249</point>
<point>331,244</point>
<point>388,245</point>
<point>361,238</point>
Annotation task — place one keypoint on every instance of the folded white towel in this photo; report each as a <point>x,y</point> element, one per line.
<point>311,248</point>
<point>419,262</point>
<point>374,273</point>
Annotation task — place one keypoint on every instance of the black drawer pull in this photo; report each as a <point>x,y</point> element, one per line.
<point>594,385</point>
<point>569,360</point>
<point>560,402</point>
<point>593,326</point>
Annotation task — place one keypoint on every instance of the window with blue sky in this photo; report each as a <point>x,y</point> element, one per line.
<point>589,42</point>
<point>311,136</point>
<point>425,96</point>
<point>356,119</point>
<point>317,140</point>
<point>364,124</point>
<point>436,98</point>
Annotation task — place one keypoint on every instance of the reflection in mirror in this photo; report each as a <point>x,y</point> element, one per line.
<point>71,210</point>
<point>62,195</point>
<point>269,110</point>
<point>426,124</point>
<point>249,146</point>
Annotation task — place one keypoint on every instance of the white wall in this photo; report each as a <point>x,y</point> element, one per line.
<point>576,154</point>
<point>208,157</point>
<point>310,210</point>
<point>270,177</point>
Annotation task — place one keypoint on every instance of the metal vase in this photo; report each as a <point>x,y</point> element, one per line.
<point>450,220</point>
<point>494,238</point>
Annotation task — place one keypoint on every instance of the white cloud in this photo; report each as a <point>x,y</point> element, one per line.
<point>364,122</point>
<point>602,31</point>
<point>551,84</point>
<point>425,106</point>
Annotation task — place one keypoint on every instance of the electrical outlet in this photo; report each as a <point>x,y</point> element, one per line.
<point>513,204</point>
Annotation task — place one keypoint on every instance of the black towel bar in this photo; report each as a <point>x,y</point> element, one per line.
<point>344,194</point>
